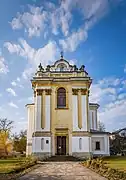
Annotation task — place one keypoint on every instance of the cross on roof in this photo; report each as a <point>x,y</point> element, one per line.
<point>61,54</point>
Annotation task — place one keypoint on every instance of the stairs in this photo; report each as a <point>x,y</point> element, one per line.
<point>61,158</point>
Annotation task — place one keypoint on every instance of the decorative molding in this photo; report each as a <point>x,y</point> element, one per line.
<point>75,91</point>
<point>39,92</point>
<point>48,91</point>
<point>41,134</point>
<point>83,91</point>
<point>81,133</point>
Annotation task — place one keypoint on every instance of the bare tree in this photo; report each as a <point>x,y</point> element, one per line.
<point>101,126</point>
<point>5,124</point>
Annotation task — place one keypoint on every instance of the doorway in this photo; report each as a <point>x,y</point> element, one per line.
<point>61,145</point>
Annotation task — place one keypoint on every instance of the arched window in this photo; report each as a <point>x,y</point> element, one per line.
<point>61,98</point>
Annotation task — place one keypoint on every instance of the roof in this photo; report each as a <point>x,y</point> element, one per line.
<point>30,104</point>
<point>118,131</point>
<point>98,132</point>
<point>94,105</point>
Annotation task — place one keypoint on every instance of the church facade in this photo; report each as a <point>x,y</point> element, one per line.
<point>61,120</point>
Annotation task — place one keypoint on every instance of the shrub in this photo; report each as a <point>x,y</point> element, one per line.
<point>100,166</point>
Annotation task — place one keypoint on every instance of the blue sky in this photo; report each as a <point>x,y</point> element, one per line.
<point>90,32</point>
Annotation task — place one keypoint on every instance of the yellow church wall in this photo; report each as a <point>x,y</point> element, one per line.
<point>61,118</point>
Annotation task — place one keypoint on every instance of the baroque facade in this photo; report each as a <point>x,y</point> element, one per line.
<point>61,121</point>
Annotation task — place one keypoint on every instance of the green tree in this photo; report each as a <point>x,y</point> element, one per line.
<point>19,142</point>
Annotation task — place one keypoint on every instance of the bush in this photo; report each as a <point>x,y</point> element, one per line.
<point>100,166</point>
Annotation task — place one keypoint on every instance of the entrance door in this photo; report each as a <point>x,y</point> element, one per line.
<point>61,145</point>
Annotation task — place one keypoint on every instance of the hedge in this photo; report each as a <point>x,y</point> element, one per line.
<point>99,166</point>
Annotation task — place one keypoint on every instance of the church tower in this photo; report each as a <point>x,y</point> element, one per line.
<point>61,121</point>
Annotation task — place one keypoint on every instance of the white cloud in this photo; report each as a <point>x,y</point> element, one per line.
<point>72,42</point>
<point>60,18</point>
<point>12,105</point>
<point>3,67</point>
<point>22,118</point>
<point>27,73</point>
<point>125,68</point>
<point>113,111</point>
<point>107,93</point>
<point>17,83</point>
<point>30,98</point>
<point>11,91</point>
<point>13,83</point>
<point>33,21</point>
<point>37,19</point>
<point>0,95</point>
<point>34,56</point>
<point>18,79</point>
<point>92,12</point>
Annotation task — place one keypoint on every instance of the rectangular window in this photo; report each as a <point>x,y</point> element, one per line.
<point>97,145</point>
<point>80,143</point>
<point>42,143</point>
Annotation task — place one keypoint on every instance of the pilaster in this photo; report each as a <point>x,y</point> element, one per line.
<point>43,110</point>
<point>79,110</point>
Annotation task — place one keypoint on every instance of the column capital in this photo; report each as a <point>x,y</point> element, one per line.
<point>75,91</point>
<point>39,92</point>
<point>48,91</point>
<point>83,91</point>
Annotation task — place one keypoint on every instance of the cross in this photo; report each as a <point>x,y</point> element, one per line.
<point>61,54</point>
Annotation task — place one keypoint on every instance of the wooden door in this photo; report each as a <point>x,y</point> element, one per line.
<point>61,145</point>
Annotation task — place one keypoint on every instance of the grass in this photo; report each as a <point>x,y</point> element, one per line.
<point>116,162</point>
<point>9,165</point>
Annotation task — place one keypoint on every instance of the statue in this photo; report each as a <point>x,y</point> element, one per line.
<point>48,68</point>
<point>40,67</point>
<point>75,68</point>
<point>82,68</point>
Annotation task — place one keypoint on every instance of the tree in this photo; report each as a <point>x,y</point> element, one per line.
<point>101,126</point>
<point>5,143</point>
<point>5,125</point>
<point>19,141</point>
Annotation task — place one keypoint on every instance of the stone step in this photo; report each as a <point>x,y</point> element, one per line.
<point>61,158</point>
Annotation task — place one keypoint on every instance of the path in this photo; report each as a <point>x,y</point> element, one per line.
<point>61,171</point>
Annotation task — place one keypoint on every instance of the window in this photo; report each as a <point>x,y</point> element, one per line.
<point>47,141</point>
<point>61,98</point>
<point>42,143</point>
<point>97,145</point>
<point>80,143</point>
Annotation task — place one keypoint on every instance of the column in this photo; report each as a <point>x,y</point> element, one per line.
<point>43,110</point>
<point>87,102</point>
<point>79,110</point>
<point>53,144</point>
<point>38,109</point>
<point>70,143</point>
<point>85,105</point>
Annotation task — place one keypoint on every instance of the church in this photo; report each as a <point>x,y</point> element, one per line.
<point>61,120</point>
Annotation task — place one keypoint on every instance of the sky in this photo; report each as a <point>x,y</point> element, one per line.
<point>89,32</point>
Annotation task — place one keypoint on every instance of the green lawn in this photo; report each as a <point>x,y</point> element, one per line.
<point>8,165</point>
<point>116,162</point>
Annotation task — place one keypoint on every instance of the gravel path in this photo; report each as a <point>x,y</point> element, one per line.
<point>61,171</point>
